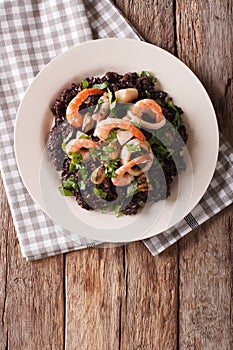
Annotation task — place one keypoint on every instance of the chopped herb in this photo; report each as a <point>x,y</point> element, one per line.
<point>70,183</point>
<point>177,119</point>
<point>100,101</point>
<point>102,155</point>
<point>159,147</point>
<point>95,153</point>
<point>112,107</point>
<point>99,193</point>
<point>112,136</point>
<point>85,84</point>
<point>109,95</point>
<point>117,210</point>
<point>133,148</point>
<point>83,172</point>
<point>66,139</point>
<point>65,192</point>
<point>148,94</point>
<point>72,167</point>
<point>106,151</point>
<point>76,159</point>
<point>82,185</point>
<point>110,167</point>
<point>160,103</point>
<point>170,104</point>
<point>102,86</point>
<point>132,189</point>
<point>84,136</point>
<point>145,73</point>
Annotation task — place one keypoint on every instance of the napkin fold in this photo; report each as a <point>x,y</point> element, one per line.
<point>32,34</point>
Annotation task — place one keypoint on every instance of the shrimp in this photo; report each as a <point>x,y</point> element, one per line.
<point>126,154</point>
<point>72,112</point>
<point>123,178</point>
<point>152,108</point>
<point>104,127</point>
<point>80,146</point>
<point>82,143</point>
<point>103,109</point>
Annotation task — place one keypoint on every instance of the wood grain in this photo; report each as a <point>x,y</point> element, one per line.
<point>124,298</point>
<point>149,318</point>
<point>31,294</point>
<point>138,309</point>
<point>95,290</point>
<point>205,286</point>
<point>204,43</point>
<point>153,19</point>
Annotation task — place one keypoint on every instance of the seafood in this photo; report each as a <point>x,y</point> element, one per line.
<point>127,152</point>
<point>126,95</point>
<point>82,143</point>
<point>72,112</point>
<point>98,175</point>
<point>103,109</point>
<point>152,108</point>
<point>104,127</point>
<point>88,122</point>
<point>123,136</point>
<point>115,150</point>
<point>123,177</point>
<point>108,151</point>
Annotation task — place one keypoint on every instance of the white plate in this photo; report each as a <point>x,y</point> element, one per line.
<point>95,58</point>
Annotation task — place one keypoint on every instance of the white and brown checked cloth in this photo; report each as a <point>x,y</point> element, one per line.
<point>33,33</point>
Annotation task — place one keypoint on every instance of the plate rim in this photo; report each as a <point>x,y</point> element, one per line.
<point>90,42</point>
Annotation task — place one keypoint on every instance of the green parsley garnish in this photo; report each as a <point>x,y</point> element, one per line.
<point>133,148</point>
<point>65,192</point>
<point>99,193</point>
<point>85,84</point>
<point>110,167</point>
<point>132,189</point>
<point>177,119</point>
<point>159,147</point>
<point>159,103</point>
<point>102,154</point>
<point>148,94</point>
<point>66,139</point>
<point>145,73</point>
<point>112,136</point>
<point>102,86</point>
<point>76,159</point>
<point>170,104</point>
<point>84,136</point>
<point>70,183</point>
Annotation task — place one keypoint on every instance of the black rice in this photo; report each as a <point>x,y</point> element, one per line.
<point>159,177</point>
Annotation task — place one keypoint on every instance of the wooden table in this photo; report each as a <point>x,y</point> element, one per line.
<point>123,298</point>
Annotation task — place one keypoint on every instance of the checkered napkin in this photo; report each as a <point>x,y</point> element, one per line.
<point>34,32</point>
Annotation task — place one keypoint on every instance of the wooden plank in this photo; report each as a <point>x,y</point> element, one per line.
<point>31,294</point>
<point>153,19</point>
<point>125,298</point>
<point>204,43</point>
<point>205,286</point>
<point>95,290</point>
<point>149,318</point>
<point>150,310</point>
